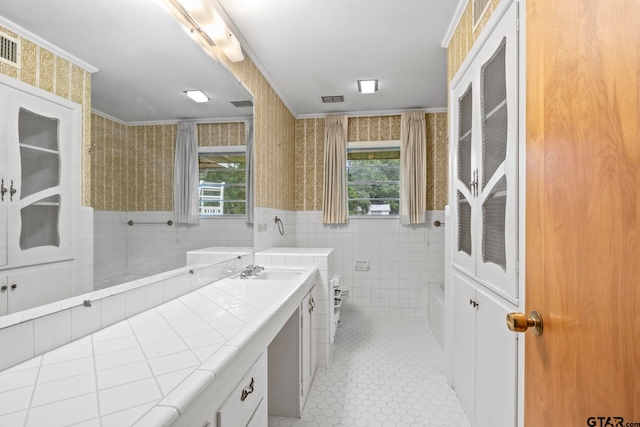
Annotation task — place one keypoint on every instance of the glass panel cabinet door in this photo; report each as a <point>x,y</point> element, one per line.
<point>463,167</point>
<point>484,199</point>
<point>498,150</point>
<point>39,137</point>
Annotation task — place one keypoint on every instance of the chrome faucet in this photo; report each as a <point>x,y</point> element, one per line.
<point>251,270</point>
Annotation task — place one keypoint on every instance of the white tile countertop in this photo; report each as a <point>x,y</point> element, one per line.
<point>148,369</point>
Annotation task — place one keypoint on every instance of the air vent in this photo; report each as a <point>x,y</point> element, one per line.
<point>239,104</point>
<point>333,98</point>
<point>10,50</point>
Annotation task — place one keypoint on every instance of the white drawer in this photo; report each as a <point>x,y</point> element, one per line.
<point>245,398</point>
<point>260,417</point>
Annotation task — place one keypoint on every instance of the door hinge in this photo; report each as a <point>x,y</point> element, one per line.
<point>517,267</point>
<point>518,25</point>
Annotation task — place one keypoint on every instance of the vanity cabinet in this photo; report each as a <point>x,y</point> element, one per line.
<point>246,405</point>
<point>484,355</point>
<point>484,135</point>
<point>39,190</point>
<point>293,346</point>
<point>308,359</point>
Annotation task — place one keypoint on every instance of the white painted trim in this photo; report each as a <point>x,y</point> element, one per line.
<point>364,145</point>
<point>45,44</point>
<point>373,113</point>
<point>522,197</point>
<point>107,116</point>
<point>222,149</point>
<point>198,121</point>
<point>462,5</point>
<point>170,122</point>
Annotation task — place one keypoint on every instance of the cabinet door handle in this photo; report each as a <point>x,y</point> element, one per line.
<point>247,391</point>
<point>4,288</point>
<point>3,190</point>
<point>14,286</point>
<point>12,192</point>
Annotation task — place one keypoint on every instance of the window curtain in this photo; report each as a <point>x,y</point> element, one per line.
<point>334,196</point>
<point>413,168</point>
<point>186,181</point>
<point>249,178</point>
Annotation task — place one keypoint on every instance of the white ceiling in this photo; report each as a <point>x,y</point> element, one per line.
<point>145,60</point>
<point>307,49</point>
<point>314,48</point>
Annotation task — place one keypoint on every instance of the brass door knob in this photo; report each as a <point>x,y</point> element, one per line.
<point>519,322</point>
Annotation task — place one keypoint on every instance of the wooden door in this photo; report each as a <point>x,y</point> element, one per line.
<point>583,212</point>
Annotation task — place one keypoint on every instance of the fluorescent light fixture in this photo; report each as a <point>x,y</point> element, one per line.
<point>197,95</point>
<point>368,86</point>
<point>212,24</point>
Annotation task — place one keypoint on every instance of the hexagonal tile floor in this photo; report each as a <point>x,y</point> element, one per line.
<point>387,371</point>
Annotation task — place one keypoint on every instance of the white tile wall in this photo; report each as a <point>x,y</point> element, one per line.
<point>266,232</point>
<point>110,244</point>
<point>403,260</point>
<point>86,253</point>
<point>143,250</point>
<point>30,338</point>
<point>323,293</point>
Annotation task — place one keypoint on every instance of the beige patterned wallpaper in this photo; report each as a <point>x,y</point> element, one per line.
<point>217,134</point>
<point>309,162</point>
<point>465,36</point>
<point>132,166</point>
<point>274,141</point>
<point>45,70</point>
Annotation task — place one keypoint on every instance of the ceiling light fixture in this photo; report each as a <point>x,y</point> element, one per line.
<point>367,86</point>
<point>197,95</point>
<point>211,24</point>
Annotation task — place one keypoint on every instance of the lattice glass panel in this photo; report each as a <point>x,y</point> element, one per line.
<point>494,113</point>
<point>40,223</point>
<point>494,211</point>
<point>39,152</point>
<point>464,224</point>
<point>464,137</point>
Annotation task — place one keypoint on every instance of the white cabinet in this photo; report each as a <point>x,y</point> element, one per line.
<point>484,135</point>
<point>293,361</point>
<point>28,287</point>
<point>308,357</point>
<point>484,355</point>
<point>39,189</point>
<point>484,231</point>
<point>246,404</point>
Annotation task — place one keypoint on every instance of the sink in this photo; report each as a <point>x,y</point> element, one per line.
<point>276,275</point>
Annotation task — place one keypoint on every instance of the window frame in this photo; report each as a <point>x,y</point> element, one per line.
<point>222,150</point>
<point>364,146</point>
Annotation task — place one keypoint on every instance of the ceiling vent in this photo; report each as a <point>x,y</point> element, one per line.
<point>10,50</point>
<point>333,98</point>
<point>239,104</point>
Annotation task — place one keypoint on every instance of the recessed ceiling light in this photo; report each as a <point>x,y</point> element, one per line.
<point>368,86</point>
<point>197,95</point>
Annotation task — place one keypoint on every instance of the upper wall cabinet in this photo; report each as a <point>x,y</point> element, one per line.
<point>485,160</point>
<point>38,193</point>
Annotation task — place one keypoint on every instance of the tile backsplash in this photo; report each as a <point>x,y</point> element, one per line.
<point>141,250</point>
<point>402,260</point>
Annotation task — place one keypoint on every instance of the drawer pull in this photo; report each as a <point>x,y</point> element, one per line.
<point>247,391</point>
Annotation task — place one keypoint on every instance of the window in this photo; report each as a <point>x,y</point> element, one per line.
<point>222,188</point>
<point>373,176</point>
